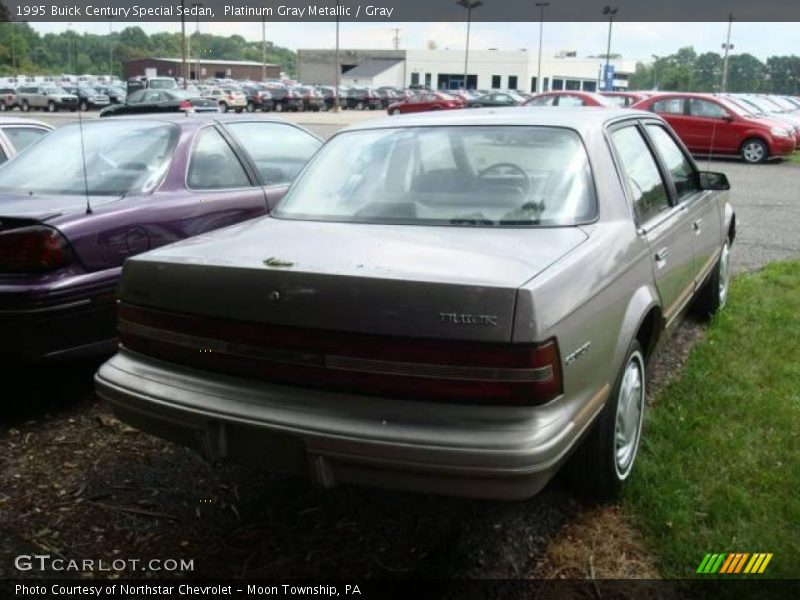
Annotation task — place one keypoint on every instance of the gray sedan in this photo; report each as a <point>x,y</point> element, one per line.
<point>457,303</point>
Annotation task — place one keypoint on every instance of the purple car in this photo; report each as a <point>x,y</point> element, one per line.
<point>73,207</point>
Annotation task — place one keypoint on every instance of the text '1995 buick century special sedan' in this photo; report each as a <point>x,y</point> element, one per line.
<point>453,303</point>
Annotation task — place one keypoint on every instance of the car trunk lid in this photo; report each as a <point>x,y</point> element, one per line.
<point>427,282</point>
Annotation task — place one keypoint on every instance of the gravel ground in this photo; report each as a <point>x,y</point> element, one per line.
<point>75,482</point>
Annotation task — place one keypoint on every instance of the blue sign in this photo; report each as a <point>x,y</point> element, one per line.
<point>608,78</point>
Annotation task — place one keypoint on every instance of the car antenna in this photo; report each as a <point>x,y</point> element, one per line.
<point>83,160</point>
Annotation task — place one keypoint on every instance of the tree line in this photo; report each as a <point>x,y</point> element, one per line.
<point>687,71</point>
<point>23,50</point>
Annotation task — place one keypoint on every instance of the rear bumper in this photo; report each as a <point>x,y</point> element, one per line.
<point>490,452</point>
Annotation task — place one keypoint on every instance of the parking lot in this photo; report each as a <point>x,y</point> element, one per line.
<point>74,482</point>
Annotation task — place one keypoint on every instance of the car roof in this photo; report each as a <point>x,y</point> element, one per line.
<point>579,118</point>
<point>21,121</point>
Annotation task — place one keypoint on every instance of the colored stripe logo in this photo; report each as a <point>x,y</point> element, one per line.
<point>734,563</point>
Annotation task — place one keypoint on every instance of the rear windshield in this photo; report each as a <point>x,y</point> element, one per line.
<point>480,176</point>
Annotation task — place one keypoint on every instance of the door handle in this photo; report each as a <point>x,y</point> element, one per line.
<point>698,225</point>
<point>661,257</point>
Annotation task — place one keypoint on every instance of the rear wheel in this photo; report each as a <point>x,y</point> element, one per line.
<point>51,106</point>
<point>606,456</point>
<point>754,151</point>
<point>713,296</point>
<point>223,107</point>
<point>251,107</point>
<point>396,111</point>
<point>25,106</point>
<point>359,106</point>
<point>279,107</point>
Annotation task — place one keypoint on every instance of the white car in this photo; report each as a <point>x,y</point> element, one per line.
<point>228,99</point>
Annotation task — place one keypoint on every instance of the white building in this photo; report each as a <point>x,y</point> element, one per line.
<point>444,69</point>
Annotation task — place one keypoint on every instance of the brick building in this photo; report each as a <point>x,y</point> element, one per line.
<point>218,69</point>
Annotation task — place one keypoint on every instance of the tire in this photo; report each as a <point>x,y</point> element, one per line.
<point>359,106</point>
<point>754,151</point>
<point>238,110</point>
<point>51,107</point>
<point>279,107</point>
<point>477,106</point>
<point>598,468</point>
<point>251,107</point>
<point>25,107</point>
<point>713,296</point>
<point>3,107</point>
<point>223,107</point>
<point>396,111</point>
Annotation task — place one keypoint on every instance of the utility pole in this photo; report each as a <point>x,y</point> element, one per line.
<point>469,5</point>
<point>110,47</point>
<point>655,71</point>
<point>338,74</point>
<point>263,47</point>
<point>727,46</point>
<point>14,46</point>
<point>183,45</point>
<point>609,12</point>
<point>396,38</point>
<point>542,6</point>
<point>197,49</point>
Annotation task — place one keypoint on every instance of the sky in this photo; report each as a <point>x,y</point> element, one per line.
<point>639,41</point>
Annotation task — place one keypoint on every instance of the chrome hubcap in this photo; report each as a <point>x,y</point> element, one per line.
<point>754,152</point>
<point>630,410</point>
<point>724,275</point>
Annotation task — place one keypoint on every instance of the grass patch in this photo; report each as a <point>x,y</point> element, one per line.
<point>719,469</point>
<point>795,158</point>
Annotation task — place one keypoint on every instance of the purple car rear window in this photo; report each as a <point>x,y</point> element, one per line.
<point>122,157</point>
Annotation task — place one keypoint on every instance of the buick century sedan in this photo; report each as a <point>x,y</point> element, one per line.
<point>458,303</point>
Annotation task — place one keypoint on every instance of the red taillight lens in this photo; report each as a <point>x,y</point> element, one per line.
<point>33,249</point>
<point>417,369</point>
<point>186,105</point>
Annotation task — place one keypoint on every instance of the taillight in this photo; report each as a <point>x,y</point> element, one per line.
<point>417,369</point>
<point>34,248</point>
<point>185,105</point>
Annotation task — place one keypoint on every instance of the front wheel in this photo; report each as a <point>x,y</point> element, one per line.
<point>606,456</point>
<point>238,110</point>
<point>251,107</point>
<point>51,107</point>
<point>3,107</point>
<point>279,107</point>
<point>713,296</point>
<point>754,151</point>
<point>223,107</point>
<point>25,106</point>
<point>396,111</point>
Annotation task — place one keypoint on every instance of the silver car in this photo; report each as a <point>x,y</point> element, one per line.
<point>455,302</point>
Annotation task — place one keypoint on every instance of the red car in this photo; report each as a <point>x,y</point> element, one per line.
<point>569,98</point>
<point>425,101</point>
<point>625,99</point>
<point>710,125</point>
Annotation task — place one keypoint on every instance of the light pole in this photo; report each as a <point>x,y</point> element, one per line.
<point>727,46</point>
<point>338,73</point>
<point>110,48</point>
<point>469,5</point>
<point>609,12</point>
<point>14,47</point>
<point>197,50</point>
<point>655,71</point>
<point>183,45</point>
<point>263,47</point>
<point>542,6</point>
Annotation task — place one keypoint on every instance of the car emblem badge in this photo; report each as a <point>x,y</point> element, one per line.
<point>468,319</point>
<point>579,353</point>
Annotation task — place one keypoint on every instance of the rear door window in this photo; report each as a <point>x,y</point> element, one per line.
<point>704,108</point>
<point>671,106</point>
<point>214,165</point>
<point>639,168</point>
<point>22,137</point>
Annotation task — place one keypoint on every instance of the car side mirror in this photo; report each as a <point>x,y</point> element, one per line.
<point>728,118</point>
<point>710,181</point>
